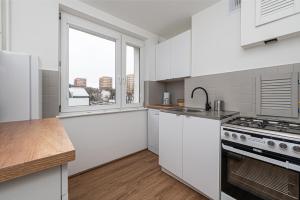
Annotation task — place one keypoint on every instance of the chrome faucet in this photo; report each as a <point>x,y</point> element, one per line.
<point>207,106</point>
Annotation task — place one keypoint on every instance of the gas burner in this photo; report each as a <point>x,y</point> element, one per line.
<point>279,126</point>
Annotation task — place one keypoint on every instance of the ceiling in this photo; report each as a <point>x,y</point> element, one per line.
<point>165,18</point>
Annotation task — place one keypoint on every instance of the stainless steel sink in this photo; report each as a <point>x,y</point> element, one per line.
<point>198,112</point>
<point>187,110</point>
<point>193,110</point>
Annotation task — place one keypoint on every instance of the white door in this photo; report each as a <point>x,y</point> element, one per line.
<point>163,64</point>
<point>170,142</point>
<point>201,155</point>
<point>153,130</point>
<point>181,55</point>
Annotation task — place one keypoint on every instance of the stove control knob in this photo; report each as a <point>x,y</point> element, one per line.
<point>226,134</point>
<point>271,143</point>
<point>234,136</point>
<point>296,149</point>
<point>283,146</point>
<point>243,137</point>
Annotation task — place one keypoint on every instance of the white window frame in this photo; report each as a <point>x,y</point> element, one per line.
<point>70,21</point>
<point>126,40</point>
<point>1,25</point>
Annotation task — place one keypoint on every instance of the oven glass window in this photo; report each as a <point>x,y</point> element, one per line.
<point>262,179</point>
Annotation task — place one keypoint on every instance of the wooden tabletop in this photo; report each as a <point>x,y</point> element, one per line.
<point>30,146</point>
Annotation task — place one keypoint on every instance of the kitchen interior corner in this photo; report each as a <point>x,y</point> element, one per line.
<point>168,100</point>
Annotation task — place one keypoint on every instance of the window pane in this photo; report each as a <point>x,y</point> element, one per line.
<point>91,69</point>
<point>132,75</point>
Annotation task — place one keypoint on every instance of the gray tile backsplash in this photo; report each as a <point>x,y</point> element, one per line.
<point>176,89</point>
<point>50,93</point>
<point>154,91</point>
<point>236,89</point>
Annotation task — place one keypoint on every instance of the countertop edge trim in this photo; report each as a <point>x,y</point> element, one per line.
<point>23,169</point>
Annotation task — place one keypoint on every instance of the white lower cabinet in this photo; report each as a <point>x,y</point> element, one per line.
<point>189,148</point>
<point>153,131</point>
<point>170,142</point>
<point>201,155</point>
<point>50,184</point>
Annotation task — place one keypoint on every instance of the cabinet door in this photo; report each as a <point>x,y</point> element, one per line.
<point>156,132</point>
<point>153,130</point>
<point>264,20</point>
<point>44,185</point>
<point>170,142</point>
<point>163,61</point>
<point>181,55</point>
<point>201,155</point>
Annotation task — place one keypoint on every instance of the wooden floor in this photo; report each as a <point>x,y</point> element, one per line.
<point>137,177</point>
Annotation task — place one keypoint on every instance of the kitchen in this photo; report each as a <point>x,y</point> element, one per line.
<point>199,101</point>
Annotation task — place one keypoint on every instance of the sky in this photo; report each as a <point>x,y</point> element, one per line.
<point>91,57</point>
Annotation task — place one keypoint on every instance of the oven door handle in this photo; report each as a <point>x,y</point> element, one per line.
<point>286,164</point>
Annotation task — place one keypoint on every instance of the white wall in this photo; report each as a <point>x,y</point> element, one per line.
<point>99,139</point>
<point>150,62</point>
<point>79,8</point>
<point>216,44</point>
<point>34,29</point>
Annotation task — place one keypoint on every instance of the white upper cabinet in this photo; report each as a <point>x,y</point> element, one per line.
<point>173,57</point>
<point>163,60</point>
<point>181,55</point>
<point>262,21</point>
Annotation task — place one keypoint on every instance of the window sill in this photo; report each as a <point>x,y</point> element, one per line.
<point>98,112</point>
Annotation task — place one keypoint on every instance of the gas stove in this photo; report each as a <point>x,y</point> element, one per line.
<point>276,136</point>
<point>270,125</point>
<point>253,151</point>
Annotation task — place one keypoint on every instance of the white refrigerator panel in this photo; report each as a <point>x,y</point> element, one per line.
<point>36,88</point>
<point>15,87</point>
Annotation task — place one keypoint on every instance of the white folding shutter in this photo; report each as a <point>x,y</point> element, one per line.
<point>271,10</point>
<point>277,95</point>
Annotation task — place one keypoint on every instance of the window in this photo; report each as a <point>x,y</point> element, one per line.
<point>132,76</point>
<point>100,67</point>
<point>131,67</point>
<point>92,73</point>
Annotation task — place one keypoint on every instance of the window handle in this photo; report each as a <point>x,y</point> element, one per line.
<point>120,79</point>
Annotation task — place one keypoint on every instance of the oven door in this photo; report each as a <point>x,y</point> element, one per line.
<point>254,174</point>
